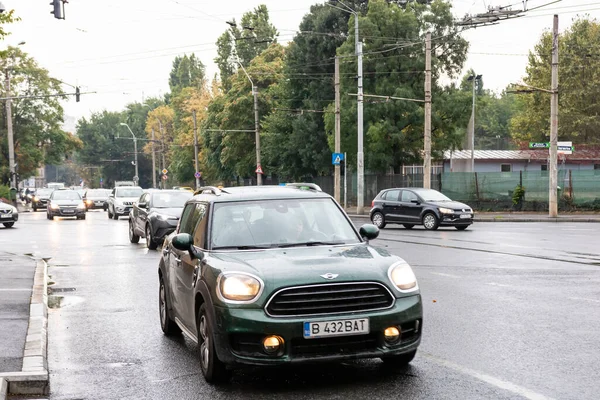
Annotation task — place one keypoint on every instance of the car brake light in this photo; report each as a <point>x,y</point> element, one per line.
<point>372,203</point>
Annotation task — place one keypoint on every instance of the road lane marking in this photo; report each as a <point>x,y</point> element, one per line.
<point>584,298</point>
<point>445,274</point>
<point>15,290</point>
<point>497,284</point>
<point>497,382</point>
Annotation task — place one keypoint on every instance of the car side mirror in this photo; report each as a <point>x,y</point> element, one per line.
<point>415,201</point>
<point>369,231</point>
<point>142,205</point>
<point>111,195</point>
<point>185,242</point>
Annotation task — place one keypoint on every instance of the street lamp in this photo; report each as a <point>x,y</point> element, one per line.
<point>360,162</point>
<point>136,178</point>
<point>474,78</point>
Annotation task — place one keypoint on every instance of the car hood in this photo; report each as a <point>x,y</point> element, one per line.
<point>96,198</point>
<point>67,202</point>
<point>171,212</point>
<point>455,205</point>
<point>4,206</point>
<point>287,267</point>
<point>123,199</point>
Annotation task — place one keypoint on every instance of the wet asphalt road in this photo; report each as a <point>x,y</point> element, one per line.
<point>512,310</point>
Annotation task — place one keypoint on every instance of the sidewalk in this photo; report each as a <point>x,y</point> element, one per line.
<point>23,325</point>
<point>513,216</point>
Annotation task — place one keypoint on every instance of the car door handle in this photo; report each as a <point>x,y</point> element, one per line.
<point>166,251</point>
<point>177,260</point>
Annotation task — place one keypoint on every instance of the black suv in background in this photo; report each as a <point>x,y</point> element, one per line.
<point>156,215</point>
<point>96,198</point>
<point>40,200</point>
<point>417,206</point>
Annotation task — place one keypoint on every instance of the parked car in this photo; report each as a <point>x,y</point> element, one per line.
<point>417,206</point>
<point>8,215</point>
<point>121,199</point>
<point>65,203</point>
<point>40,200</point>
<point>156,215</point>
<point>96,198</point>
<point>274,275</point>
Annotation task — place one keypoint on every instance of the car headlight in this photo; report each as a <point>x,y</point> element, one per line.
<point>81,206</point>
<point>54,206</point>
<point>239,287</point>
<point>403,277</point>
<point>163,217</point>
<point>35,198</point>
<point>446,210</point>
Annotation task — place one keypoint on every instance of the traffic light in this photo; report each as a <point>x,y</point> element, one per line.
<point>58,10</point>
<point>77,94</point>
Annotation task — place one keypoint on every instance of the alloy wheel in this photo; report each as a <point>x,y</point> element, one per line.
<point>429,221</point>
<point>205,346</point>
<point>162,306</point>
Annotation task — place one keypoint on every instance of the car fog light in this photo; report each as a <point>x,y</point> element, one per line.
<point>392,334</point>
<point>272,344</point>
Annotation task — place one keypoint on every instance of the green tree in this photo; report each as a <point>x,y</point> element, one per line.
<point>7,17</point>
<point>578,94</point>
<point>247,40</point>
<point>37,134</point>
<point>394,66</point>
<point>187,71</point>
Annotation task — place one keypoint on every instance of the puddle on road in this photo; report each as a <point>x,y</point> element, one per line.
<point>55,301</point>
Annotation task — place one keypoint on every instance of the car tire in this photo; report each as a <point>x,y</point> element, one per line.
<point>461,227</point>
<point>401,360</point>
<point>109,213</point>
<point>115,216</point>
<point>82,217</point>
<point>133,238</point>
<point>378,220</point>
<point>168,326</point>
<point>34,208</point>
<point>48,216</point>
<point>430,221</point>
<point>213,369</point>
<point>408,226</point>
<point>150,243</point>
<point>8,224</point>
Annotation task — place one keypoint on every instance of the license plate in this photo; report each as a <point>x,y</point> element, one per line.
<point>342,327</point>
<point>465,216</point>
<point>5,216</point>
<point>99,203</point>
<point>68,211</point>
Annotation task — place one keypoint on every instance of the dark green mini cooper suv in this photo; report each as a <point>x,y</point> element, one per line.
<point>272,275</point>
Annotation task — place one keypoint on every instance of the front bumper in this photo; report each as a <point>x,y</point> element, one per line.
<point>39,204</point>
<point>93,205</point>
<point>123,210</point>
<point>65,212</point>
<point>239,334</point>
<point>9,218</point>
<point>162,228</point>
<point>455,219</point>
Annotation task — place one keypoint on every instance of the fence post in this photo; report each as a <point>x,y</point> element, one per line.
<point>521,178</point>
<point>570,186</point>
<point>476,186</point>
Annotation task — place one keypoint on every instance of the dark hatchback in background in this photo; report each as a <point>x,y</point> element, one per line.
<point>40,200</point>
<point>65,203</point>
<point>96,198</point>
<point>417,206</point>
<point>156,215</point>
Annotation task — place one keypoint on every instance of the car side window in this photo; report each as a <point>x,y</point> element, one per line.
<point>408,196</point>
<point>200,232</point>
<point>185,223</point>
<point>392,195</point>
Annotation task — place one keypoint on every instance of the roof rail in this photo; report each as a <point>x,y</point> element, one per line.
<point>301,185</point>
<point>209,189</point>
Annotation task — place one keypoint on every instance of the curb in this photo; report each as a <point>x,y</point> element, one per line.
<point>515,219</point>
<point>33,378</point>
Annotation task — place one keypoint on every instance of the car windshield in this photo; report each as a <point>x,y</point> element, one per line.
<point>432,195</point>
<point>129,192</point>
<point>96,193</point>
<point>170,199</point>
<point>66,195</point>
<point>280,223</point>
<point>44,192</point>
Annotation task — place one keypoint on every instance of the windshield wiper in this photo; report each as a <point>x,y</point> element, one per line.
<point>240,247</point>
<point>311,243</point>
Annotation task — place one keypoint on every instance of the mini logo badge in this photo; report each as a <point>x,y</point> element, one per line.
<point>329,276</point>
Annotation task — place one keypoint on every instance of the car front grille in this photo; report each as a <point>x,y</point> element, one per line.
<point>332,298</point>
<point>334,346</point>
<point>128,203</point>
<point>5,211</point>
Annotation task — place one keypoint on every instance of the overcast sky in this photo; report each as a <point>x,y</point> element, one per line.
<point>124,49</point>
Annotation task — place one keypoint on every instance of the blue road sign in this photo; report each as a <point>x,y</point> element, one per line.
<point>337,158</point>
<point>198,175</point>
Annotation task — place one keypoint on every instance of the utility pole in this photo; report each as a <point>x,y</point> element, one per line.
<point>427,139</point>
<point>153,162</point>
<point>360,162</point>
<point>553,195</point>
<point>337,179</point>
<point>196,151</point>
<point>136,178</point>
<point>9,128</point>
<point>162,147</point>
<point>256,134</point>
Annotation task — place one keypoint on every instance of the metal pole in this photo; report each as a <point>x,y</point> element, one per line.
<point>472,144</point>
<point>196,150</point>
<point>137,176</point>
<point>257,136</point>
<point>427,139</point>
<point>153,162</point>
<point>9,128</point>
<point>553,196</point>
<point>162,149</point>
<point>345,182</point>
<point>360,185</point>
<point>337,177</point>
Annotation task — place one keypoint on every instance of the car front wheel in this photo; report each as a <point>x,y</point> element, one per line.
<point>109,213</point>
<point>461,227</point>
<point>430,221</point>
<point>168,326</point>
<point>133,238</point>
<point>400,360</point>
<point>9,224</point>
<point>150,243</point>
<point>213,369</point>
<point>378,220</point>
